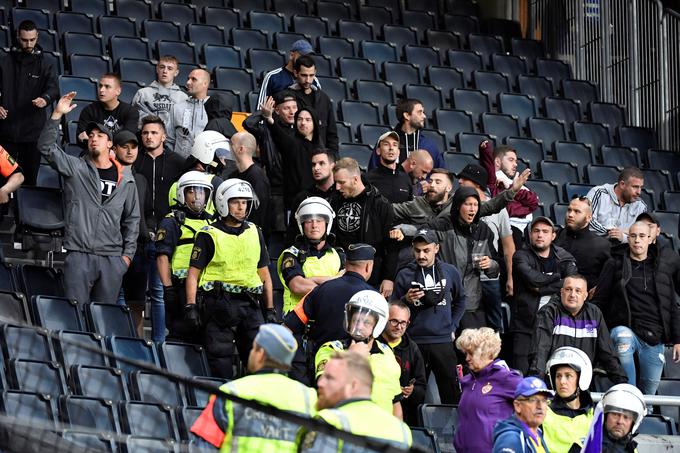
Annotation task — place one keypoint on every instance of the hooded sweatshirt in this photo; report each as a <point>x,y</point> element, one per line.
<point>409,143</point>
<point>158,100</point>
<point>219,109</point>
<point>187,119</point>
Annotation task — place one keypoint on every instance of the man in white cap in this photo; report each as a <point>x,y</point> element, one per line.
<point>388,176</point>
<point>247,429</point>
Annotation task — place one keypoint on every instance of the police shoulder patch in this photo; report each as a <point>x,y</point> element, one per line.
<point>288,262</point>
<point>321,365</point>
<point>205,228</point>
<point>160,234</point>
<point>195,253</point>
<point>293,250</point>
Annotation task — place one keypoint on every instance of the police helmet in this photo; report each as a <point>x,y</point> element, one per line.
<point>363,304</point>
<point>207,143</point>
<point>573,358</point>
<point>234,188</point>
<point>313,207</point>
<point>195,179</point>
<point>625,399</point>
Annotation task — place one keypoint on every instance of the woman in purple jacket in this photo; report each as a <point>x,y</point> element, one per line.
<point>488,390</point>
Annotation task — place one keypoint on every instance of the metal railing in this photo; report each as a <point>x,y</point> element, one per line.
<point>629,48</point>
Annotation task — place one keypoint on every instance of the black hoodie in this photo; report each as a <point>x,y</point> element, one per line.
<point>219,109</point>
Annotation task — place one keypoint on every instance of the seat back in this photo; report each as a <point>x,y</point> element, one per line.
<point>135,349</point>
<point>442,419</point>
<point>148,420</point>
<point>184,359</point>
<point>37,376</point>
<point>90,413</point>
<point>57,313</point>
<point>13,306</point>
<point>81,348</point>
<point>157,389</point>
<point>99,382</point>
<point>23,342</point>
<point>109,319</point>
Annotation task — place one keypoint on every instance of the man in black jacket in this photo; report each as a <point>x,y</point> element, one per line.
<point>635,293</point>
<point>28,84</point>
<point>413,379</point>
<point>363,215</point>
<point>311,96</point>
<point>590,250</point>
<point>538,272</point>
<point>389,177</point>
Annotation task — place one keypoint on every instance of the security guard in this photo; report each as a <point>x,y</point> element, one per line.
<point>344,401</point>
<point>229,277</point>
<point>174,242</point>
<point>365,318</point>
<point>317,317</point>
<point>311,260</point>
<point>228,425</point>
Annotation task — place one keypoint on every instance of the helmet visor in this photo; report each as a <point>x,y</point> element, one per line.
<point>360,322</point>
<point>196,198</point>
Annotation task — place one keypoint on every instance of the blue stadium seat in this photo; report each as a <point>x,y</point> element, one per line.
<point>13,306</point>
<point>155,388</point>
<point>246,5</point>
<point>511,66</point>
<point>547,191</point>
<point>199,397</point>
<point>520,106</point>
<point>400,74</point>
<point>399,35</point>
<point>128,89</point>
<point>565,110</point>
<point>446,79</point>
<point>529,150</point>
<point>55,60</point>
<point>419,21</point>
<point>422,56</point>
<point>70,21</point>
<point>442,419</point>
<point>491,83</point>
<point>469,143</point>
<point>465,61</point>
<point>29,407</point>
<point>547,131</point>
<point>500,125</point>
<point>376,14</point>
<point>154,30</point>
<point>84,43</point>
<point>184,51</point>
<point>180,13</point>
<point>202,34</point>
<point>109,319</point>
<point>144,443</point>
<point>430,96</point>
<point>474,102</point>
<point>218,55</point>
<point>57,313</point>
<point>267,21</point>
<point>42,19</point>
<point>48,39</point>
<point>333,11</point>
<point>324,66</point>
<point>594,135</point>
<point>26,343</point>
<point>559,172</point>
<point>359,152</point>
<point>356,68</point>
<point>246,38</point>
<point>602,174</point>
<point>453,122</point>
<point>462,25</point>
<point>335,46</point>
<point>356,30</point>
<point>538,88</point>
<point>186,416</point>
<point>96,8</point>
<point>37,376</point>
<point>71,351</point>
<point>289,8</point>
<point>263,60</point>
<point>621,156</point>
<point>555,70</point>
<point>640,138</point>
<point>358,112</point>
<point>378,51</point>
<point>135,9</point>
<point>369,133</point>
<point>442,40</point>
<point>455,162</point>
<point>49,5</point>
<point>237,79</point>
<point>529,49</point>
<point>611,115</point>
<point>664,160</point>
<point>38,280</point>
<point>48,177</point>
<point>39,218</point>
<point>438,137</point>
<point>311,25</point>
<point>99,382</point>
<point>486,46</point>
<point>80,412</point>
<point>222,17</point>
<point>335,87</point>
<point>116,26</point>
<point>148,420</point>
<point>84,86</point>
<point>375,91</point>
<point>657,180</point>
<point>345,134</point>
<point>671,201</point>
<point>391,114</point>
<point>505,28</point>
<point>581,91</point>
<point>558,213</point>
<point>654,424</point>
<point>134,349</point>
<point>574,152</point>
<point>284,40</point>
<point>92,66</point>
<point>184,359</point>
<point>668,222</point>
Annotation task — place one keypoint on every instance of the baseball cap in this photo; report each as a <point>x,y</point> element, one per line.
<point>647,216</point>
<point>542,219</point>
<point>302,47</point>
<point>123,137</point>
<point>100,127</point>
<point>474,173</point>
<point>392,134</point>
<point>278,342</point>
<point>360,252</point>
<point>426,235</point>
<point>531,386</point>
<point>284,96</point>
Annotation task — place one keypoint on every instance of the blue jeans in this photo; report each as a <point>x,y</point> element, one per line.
<point>650,358</point>
<point>155,291</point>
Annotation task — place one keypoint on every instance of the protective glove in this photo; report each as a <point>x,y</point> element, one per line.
<point>270,316</point>
<point>192,316</point>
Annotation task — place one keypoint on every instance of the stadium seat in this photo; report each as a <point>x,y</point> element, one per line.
<point>184,51</point>
<point>602,174</point>
<point>547,191</point>
<point>129,47</point>
<point>135,9</point>
<point>91,66</point>
<point>462,25</point>
<point>358,112</point>
<point>511,66</point>
<point>71,351</point>
<point>640,138</point>
<point>455,162</point>
<point>74,22</point>
<point>222,17</point>
<point>284,40</point>
<point>91,413</point>
<point>263,60</point>
<point>538,88</point>
<point>529,49</point>
<point>520,106</point>
<point>324,66</point>
<point>136,349</point>
<point>49,5</point>
<point>664,160</point>
<point>422,56</point>
<point>438,137</point>
<point>486,46</point>
<point>311,25</point>
<point>116,26</point>
<point>574,152</point>
<point>654,424</point>
<point>621,156</point>
<point>581,91</point>
<point>359,152</point>
<point>442,419</point>
<point>356,30</point>
<point>84,86</point>
<point>48,39</point>
<point>671,201</point>
<point>177,12</point>
<point>611,115</point>
<point>474,102</point>
<point>202,34</point>
<point>430,96</point>
<point>555,70</point>
<point>345,135</point>
<point>399,35</point>
<point>94,7</point>
<point>57,313</point>
<point>148,420</point>
<point>247,5</point>
<point>376,15</point>
<point>20,342</point>
<point>42,19</point>
<point>155,388</point>
<point>154,30</point>
<point>13,306</point>
<point>559,172</point>
<point>453,122</point>
<point>133,69</point>
<point>289,8</point>
<point>668,221</point>
<point>267,21</point>
<point>378,51</point>
<point>356,68</point>
<point>446,79</point>
<point>594,135</point>
<point>369,133</point>
<point>335,46</point>
<point>558,213</point>
<point>419,21</point>
<point>469,143</point>
<point>465,61</point>
<point>128,89</point>
<point>500,125</point>
<point>184,359</point>
<point>98,441</point>
<point>29,407</point>
<point>109,319</point>
<point>186,416</point>
<point>218,55</point>
<point>547,131</point>
<point>237,79</point>
<point>246,38</point>
<point>83,43</point>
<point>375,91</point>
<point>669,387</point>
<point>38,280</point>
<point>143,443</point>
<point>55,59</point>
<point>505,28</point>
<point>99,382</point>
<point>199,397</point>
<point>37,376</point>
<point>565,110</point>
<point>657,180</point>
<point>335,87</point>
<point>400,74</point>
<point>333,12</point>
<point>442,40</point>
<point>491,83</point>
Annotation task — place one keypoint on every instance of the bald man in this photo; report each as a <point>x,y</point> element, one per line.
<point>418,166</point>
<point>188,118</point>
<point>244,146</point>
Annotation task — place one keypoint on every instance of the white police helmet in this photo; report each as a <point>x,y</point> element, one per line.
<point>573,358</point>
<point>234,188</point>
<point>206,145</point>
<point>625,399</point>
<point>197,180</point>
<point>314,207</point>
<point>361,306</point>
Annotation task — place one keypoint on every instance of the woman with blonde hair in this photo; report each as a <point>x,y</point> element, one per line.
<point>487,391</point>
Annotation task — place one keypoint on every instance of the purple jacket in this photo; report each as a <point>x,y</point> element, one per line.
<point>487,398</point>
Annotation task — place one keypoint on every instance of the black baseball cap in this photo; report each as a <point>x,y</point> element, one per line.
<point>360,252</point>
<point>124,137</point>
<point>100,127</point>
<point>424,234</point>
<point>542,219</point>
<point>647,216</point>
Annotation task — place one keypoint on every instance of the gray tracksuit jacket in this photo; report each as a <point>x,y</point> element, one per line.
<point>187,120</point>
<point>108,228</point>
<point>157,100</point>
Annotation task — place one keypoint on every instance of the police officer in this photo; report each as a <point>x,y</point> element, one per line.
<point>344,401</point>
<point>624,408</point>
<point>365,319</point>
<point>228,425</point>
<point>312,260</point>
<point>317,317</point>
<point>228,275</point>
<point>174,242</point>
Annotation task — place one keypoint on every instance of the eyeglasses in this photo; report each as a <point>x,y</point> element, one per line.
<point>397,323</point>
<point>535,400</point>
<point>581,198</point>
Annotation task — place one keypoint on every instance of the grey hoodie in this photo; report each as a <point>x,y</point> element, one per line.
<point>158,100</point>
<point>187,120</point>
<point>108,228</point>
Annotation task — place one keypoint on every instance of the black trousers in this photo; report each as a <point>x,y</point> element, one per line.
<point>28,157</point>
<point>521,343</point>
<point>440,358</point>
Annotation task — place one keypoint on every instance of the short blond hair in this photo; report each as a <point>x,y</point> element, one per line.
<point>358,366</point>
<point>349,164</point>
<point>482,342</point>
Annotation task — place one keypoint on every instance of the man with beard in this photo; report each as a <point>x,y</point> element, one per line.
<point>616,206</point>
<point>102,211</point>
<point>389,177</point>
<point>590,250</point>
<point>538,272</point>
<point>188,118</point>
<point>418,166</point>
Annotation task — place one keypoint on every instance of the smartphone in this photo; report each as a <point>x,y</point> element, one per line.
<point>416,286</point>
<point>412,381</point>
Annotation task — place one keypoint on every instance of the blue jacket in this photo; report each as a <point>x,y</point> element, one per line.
<point>509,436</point>
<point>433,324</point>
